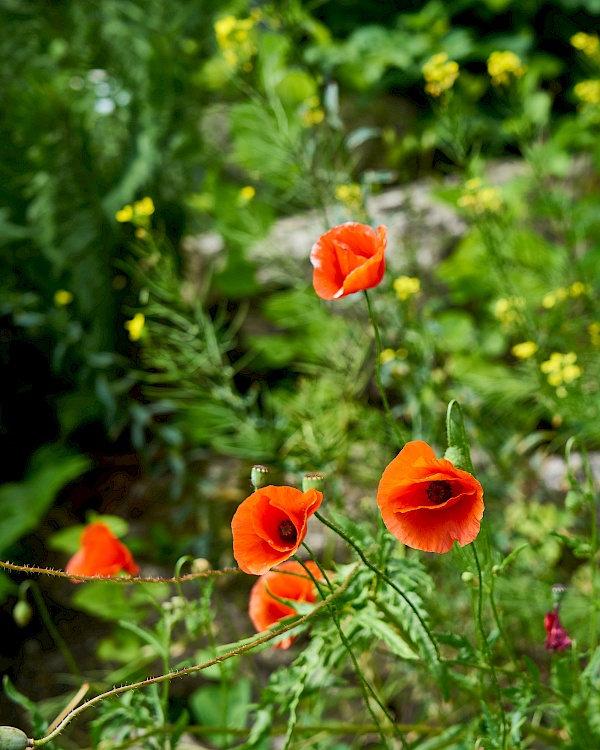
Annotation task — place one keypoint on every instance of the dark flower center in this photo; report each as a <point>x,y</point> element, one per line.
<point>287,532</point>
<point>438,492</point>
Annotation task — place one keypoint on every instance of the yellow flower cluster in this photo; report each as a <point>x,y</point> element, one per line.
<point>398,368</point>
<point>586,43</point>
<point>501,65</point>
<point>480,199</point>
<point>561,368</point>
<point>135,326</point>
<point>136,214</point>
<point>594,331</point>
<point>509,310</point>
<point>440,74</point>
<point>350,194</point>
<point>313,113</point>
<point>588,91</point>
<point>524,350</point>
<point>62,297</point>
<point>577,289</point>
<point>406,286</point>
<point>234,38</point>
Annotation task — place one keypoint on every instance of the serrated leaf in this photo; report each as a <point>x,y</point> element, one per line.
<point>383,631</point>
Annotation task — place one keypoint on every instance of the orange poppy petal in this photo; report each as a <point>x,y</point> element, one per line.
<point>427,503</point>
<point>347,259</point>
<point>101,554</point>
<point>259,539</point>
<point>265,610</point>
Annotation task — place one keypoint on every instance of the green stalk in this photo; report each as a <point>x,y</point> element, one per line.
<point>50,626</point>
<point>486,645</point>
<point>383,576</point>
<point>395,427</point>
<point>365,686</point>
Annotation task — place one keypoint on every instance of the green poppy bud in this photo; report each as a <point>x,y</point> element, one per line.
<point>467,577</point>
<point>22,613</point>
<point>259,476</point>
<point>558,593</point>
<point>12,738</point>
<point>313,482</point>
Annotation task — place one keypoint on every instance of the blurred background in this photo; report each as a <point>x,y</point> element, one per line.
<point>165,170</point>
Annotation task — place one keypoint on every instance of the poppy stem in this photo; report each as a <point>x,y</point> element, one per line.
<point>247,646</point>
<point>384,577</point>
<point>396,428</point>
<point>364,683</point>
<point>486,644</point>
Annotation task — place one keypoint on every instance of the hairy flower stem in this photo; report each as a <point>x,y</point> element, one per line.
<point>486,645</point>
<point>395,427</point>
<point>383,577</point>
<point>365,685</point>
<point>196,667</point>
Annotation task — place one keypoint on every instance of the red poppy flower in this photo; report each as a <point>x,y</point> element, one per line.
<point>557,638</point>
<point>270,525</point>
<point>265,610</point>
<point>428,504</point>
<point>348,258</point>
<point>101,554</point>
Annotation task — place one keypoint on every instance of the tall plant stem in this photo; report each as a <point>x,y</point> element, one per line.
<point>365,685</point>
<point>383,576</point>
<point>395,427</point>
<point>486,645</point>
<point>196,667</point>
<point>50,626</point>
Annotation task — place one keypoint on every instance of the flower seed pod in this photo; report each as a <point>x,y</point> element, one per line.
<point>259,476</point>
<point>22,613</point>
<point>12,738</point>
<point>313,482</point>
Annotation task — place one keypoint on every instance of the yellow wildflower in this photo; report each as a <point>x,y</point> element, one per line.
<point>234,39</point>
<point>480,199</point>
<point>440,74</point>
<point>246,194</point>
<point>508,311</point>
<point>594,331</point>
<point>578,288</point>
<point>135,326</point>
<point>386,356</point>
<point>501,65</point>
<point>586,43</point>
<point>145,207</point>
<point>125,214</point>
<point>312,113</point>
<point>524,350</point>
<point>350,194</point>
<point>62,297</point>
<point>588,91</point>
<point>561,368</point>
<point>406,286</point>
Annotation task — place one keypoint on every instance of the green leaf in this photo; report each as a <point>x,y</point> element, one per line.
<point>458,444</point>
<point>381,630</point>
<point>225,705</point>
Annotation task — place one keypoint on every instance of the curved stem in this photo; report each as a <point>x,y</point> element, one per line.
<point>196,667</point>
<point>384,577</point>
<point>365,686</point>
<point>396,428</point>
<point>486,644</point>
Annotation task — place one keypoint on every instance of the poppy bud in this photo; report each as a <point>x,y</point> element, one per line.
<point>558,593</point>
<point>313,482</point>
<point>22,615</point>
<point>200,565</point>
<point>467,577</point>
<point>12,738</point>
<point>259,476</point>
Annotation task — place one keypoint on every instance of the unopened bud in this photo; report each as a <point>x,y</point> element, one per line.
<point>22,615</point>
<point>467,577</point>
<point>259,476</point>
<point>200,565</point>
<point>558,593</point>
<point>313,482</point>
<point>496,569</point>
<point>12,738</point>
